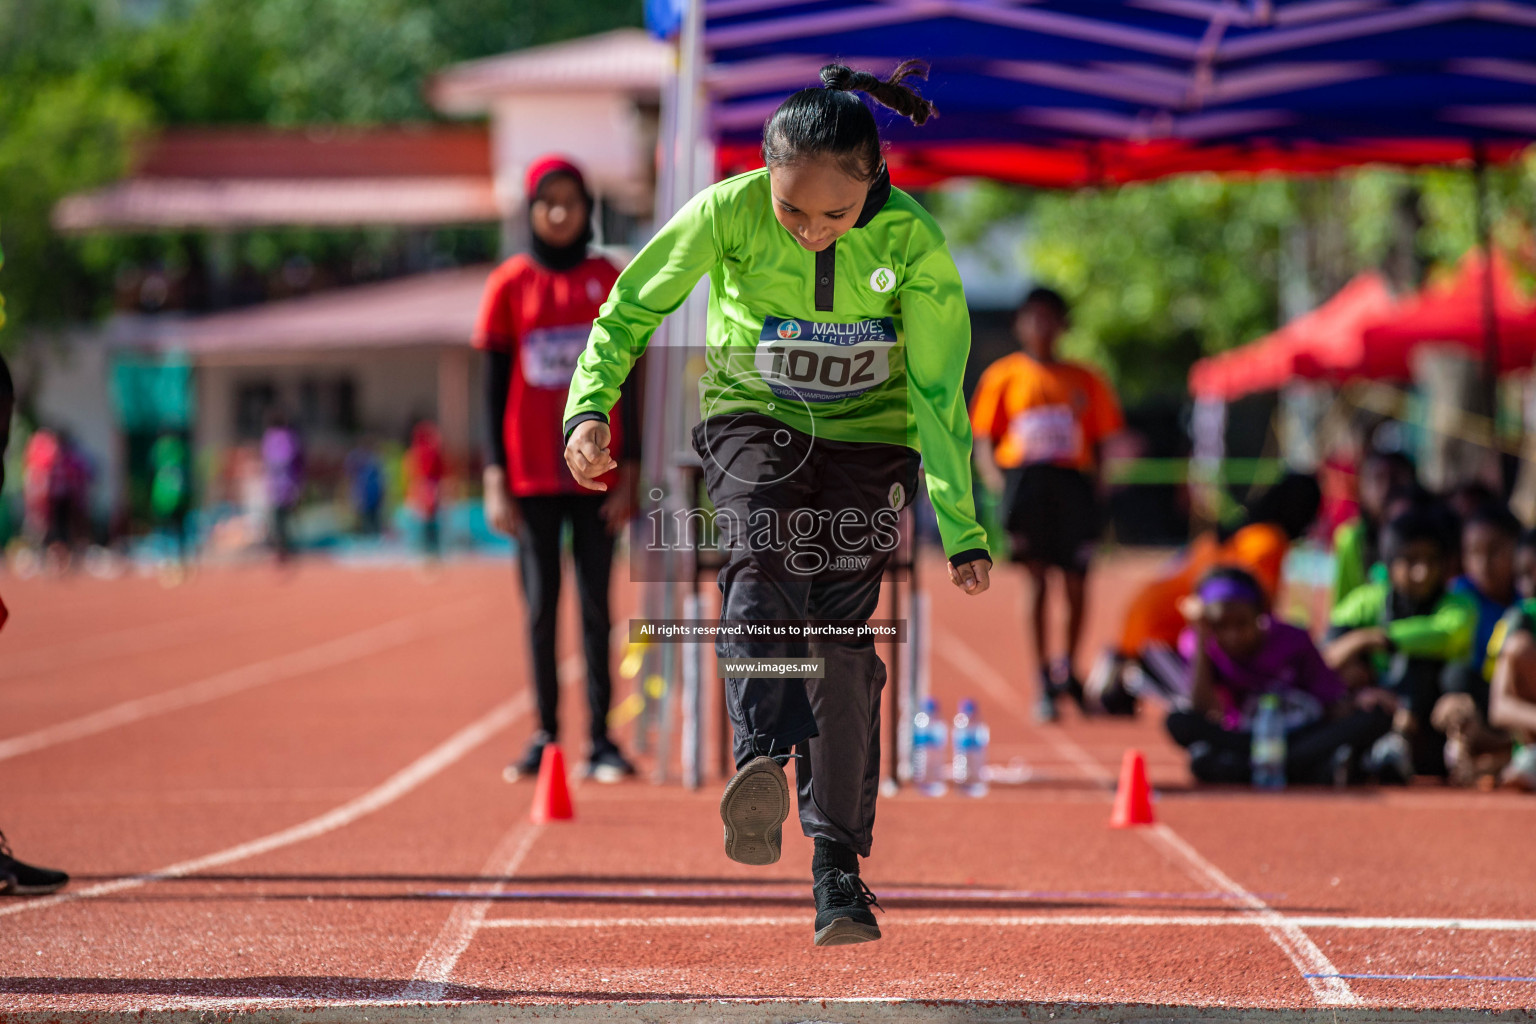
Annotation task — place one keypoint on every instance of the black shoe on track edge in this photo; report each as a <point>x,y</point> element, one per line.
<point>843,900</point>
<point>528,766</point>
<point>608,764</point>
<point>19,879</point>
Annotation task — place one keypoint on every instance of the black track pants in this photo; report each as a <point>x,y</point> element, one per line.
<point>539,565</point>
<point>809,526</point>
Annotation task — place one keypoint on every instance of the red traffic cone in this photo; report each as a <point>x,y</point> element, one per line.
<point>551,797</point>
<point>1133,799</point>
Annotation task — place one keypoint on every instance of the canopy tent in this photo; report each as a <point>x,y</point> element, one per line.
<point>1362,333</point>
<point>1076,165</point>
<point>1071,92</point>
<point>1082,92</point>
<point>1451,312</point>
<point>1307,344</point>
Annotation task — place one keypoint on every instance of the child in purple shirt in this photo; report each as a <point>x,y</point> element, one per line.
<point>1233,653</point>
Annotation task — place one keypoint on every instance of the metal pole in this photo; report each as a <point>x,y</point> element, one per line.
<point>692,670</point>
<point>1490,300</point>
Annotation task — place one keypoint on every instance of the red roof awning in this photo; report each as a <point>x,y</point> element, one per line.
<point>425,151</point>
<point>172,204</point>
<point>232,178</point>
<point>437,308</point>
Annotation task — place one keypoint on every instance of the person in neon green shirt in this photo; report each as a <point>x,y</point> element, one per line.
<point>1355,541</point>
<point>1401,634</point>
<point>837,340</point>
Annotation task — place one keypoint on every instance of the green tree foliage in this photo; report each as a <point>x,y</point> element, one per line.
<point>80,80</point>
<point>1159,273</point>
<point>70,133</point>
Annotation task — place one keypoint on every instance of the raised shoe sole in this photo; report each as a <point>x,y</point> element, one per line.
<point>753,808</point>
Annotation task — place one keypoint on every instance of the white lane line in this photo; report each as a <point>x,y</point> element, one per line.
<point>117,643</point>
<point>437,964</point>
<point>329,654</point>
<point>1442,924</point>
<point>396,786</point>
<point>1330,989</point>
<point>1038,921</point>
<point>433,973</point>
<point>979,670</point>
<point>1308,959</point>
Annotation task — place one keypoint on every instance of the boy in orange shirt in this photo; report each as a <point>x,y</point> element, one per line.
<point>1039,424</point>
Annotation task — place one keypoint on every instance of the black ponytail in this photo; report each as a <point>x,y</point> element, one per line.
<point>833,121</point>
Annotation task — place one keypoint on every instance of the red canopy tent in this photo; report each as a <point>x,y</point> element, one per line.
<point>1452,312</point>
<point>1360,332</point>
<point>1304,347</point>
<point>1113,162</point>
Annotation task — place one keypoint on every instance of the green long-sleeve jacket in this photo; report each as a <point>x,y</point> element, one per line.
<point>864,342</point>
<point>1444,634</point>
<point>1348,559</point>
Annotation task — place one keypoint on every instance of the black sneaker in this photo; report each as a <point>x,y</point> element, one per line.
<point>1220,767</point>
<point>753,808</point>
<point>1118,702</point>
<point>528,767</point>
<point>842,899</point>
<point>1073,688</point>
<point>1045,707</point>
<point>1064,682</point>
<point>607,764</point>
<point>18,879</point>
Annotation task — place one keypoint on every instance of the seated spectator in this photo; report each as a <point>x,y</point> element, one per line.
<point>1355,542</point>
<point>1470,500</point>
<point>1512,702</point>
<point>1232,654</point>
<point>1525,566</point>
<point>1258,545</point>
<point>1400,635</point>
<point>1489,541</point>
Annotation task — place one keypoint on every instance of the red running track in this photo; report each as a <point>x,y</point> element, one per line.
<point>281,794</point>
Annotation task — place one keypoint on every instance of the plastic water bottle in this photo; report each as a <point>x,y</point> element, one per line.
<point>968,768</point>
<point>1269,744</point>
<point>927,749</point>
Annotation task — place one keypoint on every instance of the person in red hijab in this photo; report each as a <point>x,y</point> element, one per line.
<point>534,320</point>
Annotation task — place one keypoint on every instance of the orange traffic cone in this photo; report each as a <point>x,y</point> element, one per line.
<point>551,796</point>
<point>1133,799</point>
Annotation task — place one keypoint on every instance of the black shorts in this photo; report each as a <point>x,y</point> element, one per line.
<point>1052,515</point>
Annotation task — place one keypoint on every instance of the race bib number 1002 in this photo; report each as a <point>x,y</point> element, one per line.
<point>821,362</point>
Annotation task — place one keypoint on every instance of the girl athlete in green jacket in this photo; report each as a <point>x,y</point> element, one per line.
<point>837,341</point>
